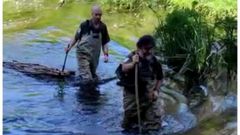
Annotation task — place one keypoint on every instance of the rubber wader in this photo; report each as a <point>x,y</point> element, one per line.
<point>88,52</point>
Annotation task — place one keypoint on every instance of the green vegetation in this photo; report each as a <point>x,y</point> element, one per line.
<point>191,39</point>
<point>132,5</point>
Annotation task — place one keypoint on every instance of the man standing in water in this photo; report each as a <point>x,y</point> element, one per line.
<point>149,81</point>
<point>92,35</point>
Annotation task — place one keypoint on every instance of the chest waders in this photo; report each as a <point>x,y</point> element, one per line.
<point>139,110</point>
<point>88,52</point>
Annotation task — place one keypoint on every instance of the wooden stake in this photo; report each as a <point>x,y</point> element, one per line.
<point>137,98</point>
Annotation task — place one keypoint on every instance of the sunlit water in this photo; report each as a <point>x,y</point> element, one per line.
<point>38,106</point>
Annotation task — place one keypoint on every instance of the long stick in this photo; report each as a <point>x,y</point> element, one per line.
<point>137,98</point>
<point>65,60</point>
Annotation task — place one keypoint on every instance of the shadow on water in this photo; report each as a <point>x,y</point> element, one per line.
<point>88,95</point>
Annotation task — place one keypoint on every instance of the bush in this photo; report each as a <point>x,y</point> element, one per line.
<point>185,40</point>
<point>228,24</point>
<point>186,37</point>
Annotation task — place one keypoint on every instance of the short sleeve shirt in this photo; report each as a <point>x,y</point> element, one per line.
<point>87,26</point>
<point>153,63</point>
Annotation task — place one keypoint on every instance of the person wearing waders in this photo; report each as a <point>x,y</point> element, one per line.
<point>150,77</point>
<point>91,36</point>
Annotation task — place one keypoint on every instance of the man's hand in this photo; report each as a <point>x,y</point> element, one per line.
<point>135,58</point>
<point>67,49</point>
<point>152,95</point>
<point>105,58</point>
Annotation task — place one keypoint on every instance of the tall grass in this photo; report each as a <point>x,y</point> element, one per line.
<point>186,38</point>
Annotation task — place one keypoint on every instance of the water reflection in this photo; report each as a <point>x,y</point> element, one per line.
<point>60,90</point>
<point>89,99</point>
<point>88,93</point>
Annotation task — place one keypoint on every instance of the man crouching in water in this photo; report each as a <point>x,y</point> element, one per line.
<point>149,81</point>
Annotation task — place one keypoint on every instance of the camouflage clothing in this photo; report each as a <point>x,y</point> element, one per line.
<point>151,112</point>
<point>89,48</point>
<point>149,71</point>
<point>88,52</point>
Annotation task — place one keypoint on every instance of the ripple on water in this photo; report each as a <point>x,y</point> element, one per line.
<point>34,106</point>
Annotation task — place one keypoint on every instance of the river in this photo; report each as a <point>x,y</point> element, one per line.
<point>37,32</point>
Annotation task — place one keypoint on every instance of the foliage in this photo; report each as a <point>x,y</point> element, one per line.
<point>196,41</point>
<point>228,23</point>
<point>185,33</point>
<point>134,5</point>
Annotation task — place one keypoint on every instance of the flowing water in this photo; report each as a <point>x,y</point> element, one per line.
<point>37,32</point>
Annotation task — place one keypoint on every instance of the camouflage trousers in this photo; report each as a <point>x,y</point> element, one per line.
<point>150,112</point>
<point>87,68</point>
<point>88,52</point>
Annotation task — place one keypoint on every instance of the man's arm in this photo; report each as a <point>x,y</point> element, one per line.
<point>153,92</point>
<point>105,40</point>
<point>71,44</point>
<point>77,36</point>
<point>158,85</point>
<point>105,52</point>
<point>105,49</point>
<point>157,67</point>
<point>128,65</point>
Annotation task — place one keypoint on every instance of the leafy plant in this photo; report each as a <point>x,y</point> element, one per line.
<point>228,23</point>
<point>185,39</point>
<point>184,33</point>
<point>196,41</point>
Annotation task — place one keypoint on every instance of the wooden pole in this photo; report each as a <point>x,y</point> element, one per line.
<point>137,98</point>
<point>65,60</point>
